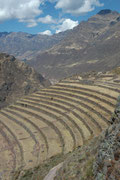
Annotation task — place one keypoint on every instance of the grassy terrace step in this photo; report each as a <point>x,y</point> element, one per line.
<point>42,146</point>
<point>83,106</point>
<point>52,116</point>
<point>91,85</point>
<point>7,155</point>
<point>107,79</point>
<point>24,135</point>
<point>37,129</point>
<point>115,89</point>
<point>85,94</point>
<point>98,86</point>
<point>65,119</point>
<point>107,75</point>
<point>53,134</point>
<point>45,101</point>
<point>88,98</point>
<point>55,107</point>
<point>81,98</point>
<point>105,101</point>
<point>72,103</point>
<point>110,81</point>
<point>88,90</point>
<point>54,121</point>
<point>113,84</point>
<point>88,94</point>
<point>17,146</point>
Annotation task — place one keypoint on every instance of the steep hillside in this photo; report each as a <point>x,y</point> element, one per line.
<point>99,159</point>
<point>25,46</point>
<point>17,79</point>
<point>41,129</point>
<point>92,45</point>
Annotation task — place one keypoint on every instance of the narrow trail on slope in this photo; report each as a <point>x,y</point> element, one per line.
<point>52,172</point>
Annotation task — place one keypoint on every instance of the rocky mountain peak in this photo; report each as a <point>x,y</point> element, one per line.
<point>106,12</point>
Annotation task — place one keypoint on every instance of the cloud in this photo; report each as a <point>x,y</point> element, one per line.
<point>47,32</point>
<point>66,24</point>
<point>29,11</point>
<point>30,22</point>
<point>23,10</point>
<point>47,20</point>
<point>77,7</point>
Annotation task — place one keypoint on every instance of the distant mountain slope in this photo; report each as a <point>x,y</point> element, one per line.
<point>23,45</point>
<point>92,45</point>
<point>17,79</point>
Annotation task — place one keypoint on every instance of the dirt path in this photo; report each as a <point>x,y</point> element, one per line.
<point>52,172</point>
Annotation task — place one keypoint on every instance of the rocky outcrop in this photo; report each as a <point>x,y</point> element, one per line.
<point>99,159</point>
<point>17,79</point>
<point>107,163</point>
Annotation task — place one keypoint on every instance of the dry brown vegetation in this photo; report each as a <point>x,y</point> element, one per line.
<point>55,120</point>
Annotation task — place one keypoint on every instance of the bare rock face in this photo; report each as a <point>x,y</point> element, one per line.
<point>17,79</point>
<point>107,162</point>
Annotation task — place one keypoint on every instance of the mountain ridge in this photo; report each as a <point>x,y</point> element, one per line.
<point>87,47</point>
<point>24,45</point>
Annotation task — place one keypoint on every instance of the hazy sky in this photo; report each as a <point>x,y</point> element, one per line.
<point>49,16</point>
